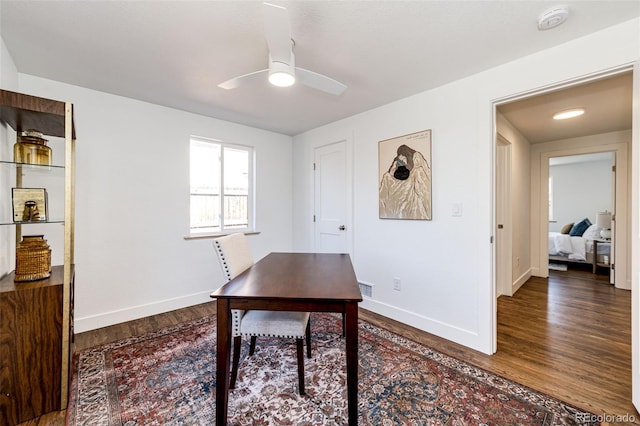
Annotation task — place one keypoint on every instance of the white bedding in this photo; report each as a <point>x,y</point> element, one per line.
<point>574,248</point>
<point>564,245</point>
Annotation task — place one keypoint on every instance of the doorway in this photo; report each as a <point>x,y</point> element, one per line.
<point>565,143</point>
<point>595,248</point>
<point>620,246</point>
<point>525,121</point>
<point>332,195</point>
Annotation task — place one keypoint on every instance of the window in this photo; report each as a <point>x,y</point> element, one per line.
<point>221,187</point>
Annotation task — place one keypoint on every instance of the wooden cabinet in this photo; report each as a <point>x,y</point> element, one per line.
<point>36,317</point>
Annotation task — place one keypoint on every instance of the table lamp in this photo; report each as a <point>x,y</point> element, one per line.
<point>603,221</point>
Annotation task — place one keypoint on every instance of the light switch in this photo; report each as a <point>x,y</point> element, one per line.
<point>456,209</point>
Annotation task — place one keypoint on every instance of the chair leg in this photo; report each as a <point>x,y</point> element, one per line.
<point>300,353</point>
<point>252,346</point>
<point>236,358</point>
<point>308,336</point>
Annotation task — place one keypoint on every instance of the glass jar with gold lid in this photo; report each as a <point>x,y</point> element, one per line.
<point>32,148</point>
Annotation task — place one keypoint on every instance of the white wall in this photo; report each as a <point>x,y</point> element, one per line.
<point>580,190</point>
<point>8,71</point>
<point>132,203</point>
<point>8,81</point>
<point>446,265</point>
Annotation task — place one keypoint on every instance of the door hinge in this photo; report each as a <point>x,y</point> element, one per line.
<point>613,168</point>
<point>613,266</point>
<point>314,218</point>
<point>314,167</point>
<point>491,240</point>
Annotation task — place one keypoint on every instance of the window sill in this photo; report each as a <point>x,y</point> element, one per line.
<point>217,234</point>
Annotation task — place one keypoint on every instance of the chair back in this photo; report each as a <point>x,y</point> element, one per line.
<point>234,254</point>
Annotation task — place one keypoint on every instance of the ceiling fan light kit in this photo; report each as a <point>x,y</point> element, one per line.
<point>282,74</point>
<point>282,70</point>
<point>281,78</point>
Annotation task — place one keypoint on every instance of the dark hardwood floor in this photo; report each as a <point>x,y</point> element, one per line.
<point>568,336</point>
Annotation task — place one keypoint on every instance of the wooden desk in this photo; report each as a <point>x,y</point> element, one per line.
<point>310,282</point>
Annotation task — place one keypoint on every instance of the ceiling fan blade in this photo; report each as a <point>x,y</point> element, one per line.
<point>319,81</point>
<point>237,81</point>
<point>277,29</point>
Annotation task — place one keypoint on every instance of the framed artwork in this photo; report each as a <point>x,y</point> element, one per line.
<point>404,168</point>
<point>29,204</point>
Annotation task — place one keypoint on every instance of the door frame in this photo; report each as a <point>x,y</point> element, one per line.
<point>621,209</point>
<point>633,246</point>
<point>634,221</point>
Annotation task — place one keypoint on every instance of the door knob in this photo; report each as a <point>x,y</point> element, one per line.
<point>342,227</point>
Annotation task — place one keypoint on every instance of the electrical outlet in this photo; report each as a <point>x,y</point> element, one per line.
<point>396,284</point>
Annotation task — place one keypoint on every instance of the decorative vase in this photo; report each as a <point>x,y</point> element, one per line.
<point>33,259</point>
<point>32,148</point>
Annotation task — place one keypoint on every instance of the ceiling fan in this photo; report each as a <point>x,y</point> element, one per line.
<point>282,70</point>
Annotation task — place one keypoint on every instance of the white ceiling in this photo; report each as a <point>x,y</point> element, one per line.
<point>607,103</point>
<point>174,53</point>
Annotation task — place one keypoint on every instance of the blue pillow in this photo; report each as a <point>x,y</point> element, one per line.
<point>578,229</point>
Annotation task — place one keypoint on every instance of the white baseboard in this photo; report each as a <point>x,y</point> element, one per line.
<point>521,280</point>
<point>447,331</point>
<point>535,272</point>
<point>456,334</point>
<point>105,319</point>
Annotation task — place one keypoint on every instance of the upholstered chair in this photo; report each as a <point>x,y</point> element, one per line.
<point>235,257</point>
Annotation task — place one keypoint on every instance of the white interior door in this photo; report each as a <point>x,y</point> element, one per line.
<point>332,192</point>
<point>504,274</point>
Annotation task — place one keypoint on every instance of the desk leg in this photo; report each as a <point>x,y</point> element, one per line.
<point>351,311</point>
<point>222,360</point>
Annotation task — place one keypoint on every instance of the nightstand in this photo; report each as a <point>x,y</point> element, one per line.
<point>596,261</point>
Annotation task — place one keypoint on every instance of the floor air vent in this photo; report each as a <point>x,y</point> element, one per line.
<point>366,289</point>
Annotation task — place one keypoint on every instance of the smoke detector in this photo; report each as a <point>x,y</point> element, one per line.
<point>552,17</point>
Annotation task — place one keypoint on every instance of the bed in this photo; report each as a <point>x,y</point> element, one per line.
<point>565,247</point>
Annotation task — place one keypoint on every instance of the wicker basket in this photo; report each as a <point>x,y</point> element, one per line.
<point>33,259</point>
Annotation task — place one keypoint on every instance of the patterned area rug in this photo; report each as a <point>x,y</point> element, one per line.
<point>168,378</point>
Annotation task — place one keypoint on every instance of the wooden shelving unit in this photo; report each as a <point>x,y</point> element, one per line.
<point>36,318</point>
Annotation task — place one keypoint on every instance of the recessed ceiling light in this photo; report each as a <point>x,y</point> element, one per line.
<point>570,113</point>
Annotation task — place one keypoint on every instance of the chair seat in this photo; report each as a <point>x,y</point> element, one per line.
<point>274,323</point>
